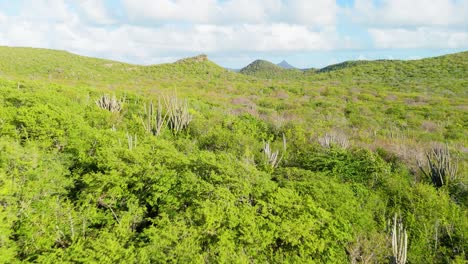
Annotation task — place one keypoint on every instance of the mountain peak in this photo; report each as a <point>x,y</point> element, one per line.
<point>284,64</point>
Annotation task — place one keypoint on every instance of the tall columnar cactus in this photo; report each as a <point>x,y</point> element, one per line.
<point>273,158</point>
<point>132,141</point>
<point>442,168</point>
<point>178,116</point>
<point>155,120</point>
<point>399,241</point>
<point>334,139</point>
<point>109,103</point>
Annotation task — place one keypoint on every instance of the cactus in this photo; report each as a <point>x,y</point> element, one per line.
<point>399,242</point>
<point>155,120</point>
<point>334,139</point>
<point>111,104</point>
<point>273,158</point>
<point>178,116</point>
<point>442,168</point>
<point>132,141</point>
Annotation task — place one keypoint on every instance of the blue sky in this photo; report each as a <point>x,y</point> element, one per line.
<point>307,33</point>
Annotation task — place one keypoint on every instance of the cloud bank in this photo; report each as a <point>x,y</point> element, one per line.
<point>148,31</point>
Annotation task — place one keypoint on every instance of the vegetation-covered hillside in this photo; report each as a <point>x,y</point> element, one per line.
<point>107,162</point>
<point>266,69</point>
<point>445,74</point>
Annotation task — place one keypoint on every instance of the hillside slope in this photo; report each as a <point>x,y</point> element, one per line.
<point>449,71</point>
<point>187,162</point>
<point>444,74</point>
<point>56,65</point>
<point>266,69</point>
<point>453,65</point>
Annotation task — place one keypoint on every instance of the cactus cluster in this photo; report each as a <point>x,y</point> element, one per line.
<point>175,115</point>
<point>109,103</point>
<point>272,157</point>
<point>155,120</point>
<point>442,167</point>
<point>178,116</point>
<point>334,139</point>
<point>399,242</point>
<point>132,141</point>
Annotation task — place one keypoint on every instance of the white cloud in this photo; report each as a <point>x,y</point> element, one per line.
<point>198,11</point>
<point>264,37</point>
<point>160,30</point>
<point>46,10</point>
<point>304,12</point>
<point>247,11</point>
<point>414,24</point>
<point>66,29</point>
<point>413,13</point>
<point>419,38</point>
<point>142,44</point>
<point>321,12</point>
<point>95,11</point>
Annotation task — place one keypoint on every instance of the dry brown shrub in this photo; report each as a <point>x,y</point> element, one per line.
<point>463,107</point>
<point>391,97</point>
<point>414,102</point>
<point>246,106</point>
<point>281,94</point>
<point>279,119</point>
<point>242,101</point>
<point>322,89</point>
<point>407,150</point>
<point>334,138</point>
<point>368,249</point>
<point>429,126</point>
<point>355,90</point>
<point>421,98</point>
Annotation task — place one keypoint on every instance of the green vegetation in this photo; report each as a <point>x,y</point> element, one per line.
<point>109,162</point>
<point>266,69</point>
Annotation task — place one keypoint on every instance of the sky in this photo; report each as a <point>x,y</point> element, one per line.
<point>233,33</point>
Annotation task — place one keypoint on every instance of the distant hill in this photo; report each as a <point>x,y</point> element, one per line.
<point>199,65</point>
<point>450,67</point>
<point>63,66</point>
<point>266,69</point>
<point>285,65</point>
<point>342,65</point>
<point>259,66</point>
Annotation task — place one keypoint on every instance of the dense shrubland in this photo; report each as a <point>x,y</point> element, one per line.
<point>193,176</point>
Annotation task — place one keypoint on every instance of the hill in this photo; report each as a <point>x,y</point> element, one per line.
<point>261,66</point>
<point>448,66</point>
<point>444,73</point>
<point>453,65</point>
<point>285,65</point>
<point>108,162</point>
<point>342,65</point>
<point>266,69</point>
<point>62,66</point>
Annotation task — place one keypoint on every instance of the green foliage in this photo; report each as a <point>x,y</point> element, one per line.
<point>79,184</point>
<point>266,69</point>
